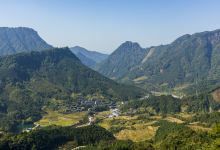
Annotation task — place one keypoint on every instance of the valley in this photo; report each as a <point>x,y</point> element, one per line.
<point>155,98</point>
<point>109,75</point>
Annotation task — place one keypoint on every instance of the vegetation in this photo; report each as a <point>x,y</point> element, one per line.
<point>167,104</point>
<point>119,63</point>
<point>54,90</point>
<point>31,81</point>
<point>207,119</point>
<point>191,60</point>
<point>154,104</point>
<point>53,136</point>
<point>59,119</point>
<point>121,145</point>
<point>165,128</point>
<point>168,136</point>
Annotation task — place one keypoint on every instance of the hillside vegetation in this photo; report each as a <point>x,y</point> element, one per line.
<point>189,64</point>
<point>50,78</point>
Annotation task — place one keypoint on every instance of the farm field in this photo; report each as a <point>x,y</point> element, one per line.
<point>140,129</point>
<point>56,118</point>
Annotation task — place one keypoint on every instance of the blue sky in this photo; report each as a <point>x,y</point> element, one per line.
<point>103,25</point>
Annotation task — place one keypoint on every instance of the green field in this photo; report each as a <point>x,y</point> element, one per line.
<point>56,118</point>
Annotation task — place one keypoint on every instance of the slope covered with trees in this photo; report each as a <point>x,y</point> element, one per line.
<point>188,64</point>
<point>54,136</point>
<point>122,60</point>
<point>192,60</point>
<point>29,80</point>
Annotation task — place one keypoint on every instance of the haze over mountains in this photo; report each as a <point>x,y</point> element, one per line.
<point>188,62</point>
<point>88,58</point>
<point>23,39</point>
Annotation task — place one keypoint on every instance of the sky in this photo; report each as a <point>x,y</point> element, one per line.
<point>102,25</point>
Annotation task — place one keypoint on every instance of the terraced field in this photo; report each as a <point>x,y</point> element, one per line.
<point>139,129</point>
<point>129,127</point>
<point>137,133</point>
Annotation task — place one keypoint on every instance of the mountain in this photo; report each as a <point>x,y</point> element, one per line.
<point>122,60</point>
<point>189,64</point>
<point>32,80</point>
<point>88,58</point>
<point>14,40</point>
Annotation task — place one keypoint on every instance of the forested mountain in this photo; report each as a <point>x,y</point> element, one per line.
<point>190,62</point>
<point>28,80</point>
<point>88,58</point>
<point>122,60</point>
<point>14,40</point>
<point>51,138</point>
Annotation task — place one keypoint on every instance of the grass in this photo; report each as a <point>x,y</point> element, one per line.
<point>159,93</point>
<point>137,134</point>
<point>102,115</point>
<point>186,116</point>
<point>199,128</point>
<point>135,129</point>
<point>139,79</point>
<point>132,128</point>
<point>106,123</point>
<point>172,119</point>
<point>55,118</point>
<point>179,89</point>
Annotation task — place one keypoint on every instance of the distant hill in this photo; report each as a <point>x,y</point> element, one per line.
<point>31,80</point>
<point>21,39</point>
<point>88,58</point>
<point>122,60</point>
<point>190,63</point>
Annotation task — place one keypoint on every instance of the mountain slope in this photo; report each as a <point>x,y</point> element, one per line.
<point>190,62</point>
<point>86,61</point>
<point>122,60</point>
<point>88,58</point>
<point>14,40</point>
<point>33,80</point>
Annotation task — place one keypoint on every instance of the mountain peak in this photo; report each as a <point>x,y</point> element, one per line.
<point>128,47</point>
<point>78,48</point>
<point>213,36</point>
<point>126,56</point>
<point>190,59</point>
<point>20,39</point>
<point>17,28</point>
<point>130,44</point>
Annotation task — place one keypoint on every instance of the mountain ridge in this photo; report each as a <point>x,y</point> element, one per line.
<point>88,58</point>
<point>31,81</point>
<point>20,39</point>
<point>190,60</point>
<point>126,56</point>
